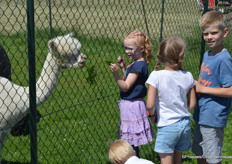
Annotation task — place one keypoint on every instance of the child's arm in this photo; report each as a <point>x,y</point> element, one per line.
<point>221,92</point>
<point>191,98</point>
<point>123,85</point>
<point>151,102</point>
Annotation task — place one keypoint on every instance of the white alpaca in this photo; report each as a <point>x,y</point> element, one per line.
<point>64,52</point>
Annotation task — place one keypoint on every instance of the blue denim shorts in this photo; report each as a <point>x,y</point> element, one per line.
<point>176,136</point>
<point>207,141</point>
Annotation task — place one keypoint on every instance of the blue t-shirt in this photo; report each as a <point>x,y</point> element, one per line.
<point>216,72</point>
<point>138,90</point>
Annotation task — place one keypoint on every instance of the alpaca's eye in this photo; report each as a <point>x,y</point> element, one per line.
<point>79,52</point>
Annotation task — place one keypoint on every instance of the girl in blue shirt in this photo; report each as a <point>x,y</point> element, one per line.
<point>134,125</point>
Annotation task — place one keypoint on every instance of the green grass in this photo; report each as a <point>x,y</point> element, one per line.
<point>81,115</point>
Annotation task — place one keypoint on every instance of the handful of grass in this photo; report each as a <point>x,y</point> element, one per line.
<point>108,61</point>
<point>91,75</point>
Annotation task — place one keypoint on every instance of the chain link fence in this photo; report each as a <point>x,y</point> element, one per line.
<point>81,116</point>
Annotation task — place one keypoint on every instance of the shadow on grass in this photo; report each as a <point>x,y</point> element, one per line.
<point>9,162</point>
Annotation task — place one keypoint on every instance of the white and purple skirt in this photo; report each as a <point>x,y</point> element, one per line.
<point>134,126</point>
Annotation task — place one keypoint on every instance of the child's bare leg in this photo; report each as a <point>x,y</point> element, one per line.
<point>177,157</point>
<point>166,158</point>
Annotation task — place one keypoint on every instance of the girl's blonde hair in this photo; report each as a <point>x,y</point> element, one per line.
<point>141,39</point>
<point>213,18</point>
<point>120,150</point>
<point>171,53</point>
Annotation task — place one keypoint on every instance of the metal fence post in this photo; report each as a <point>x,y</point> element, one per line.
<point>32,80</point>
<point>50,17</point>
<point>202,39</point>
<point>162,20</point>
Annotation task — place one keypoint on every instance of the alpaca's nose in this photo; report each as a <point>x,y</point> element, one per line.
<point>83,58</point>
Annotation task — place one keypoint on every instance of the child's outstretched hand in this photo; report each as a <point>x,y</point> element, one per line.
<point>121,62</point>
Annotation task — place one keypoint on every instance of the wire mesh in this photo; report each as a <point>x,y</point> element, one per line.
<point>80,117</point>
